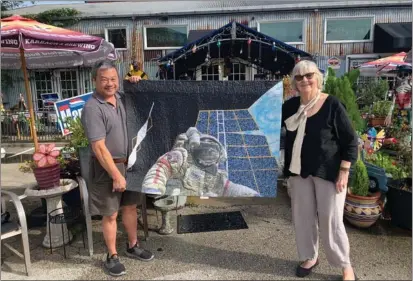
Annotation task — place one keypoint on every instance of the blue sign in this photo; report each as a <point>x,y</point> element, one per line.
<point>71,107</point>
<point>49,99</point>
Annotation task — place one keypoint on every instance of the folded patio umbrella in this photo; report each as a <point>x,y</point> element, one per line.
<point>384,65</point>
<point>28,44</point>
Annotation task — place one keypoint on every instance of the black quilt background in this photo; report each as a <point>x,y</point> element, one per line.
<point>176,106</point>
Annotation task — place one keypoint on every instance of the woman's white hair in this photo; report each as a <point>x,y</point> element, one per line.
<point>303,67</point>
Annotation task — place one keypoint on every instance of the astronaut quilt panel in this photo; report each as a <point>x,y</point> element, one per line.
<point>204,138</point>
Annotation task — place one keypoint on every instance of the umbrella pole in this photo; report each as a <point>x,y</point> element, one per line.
<point>30,100</point>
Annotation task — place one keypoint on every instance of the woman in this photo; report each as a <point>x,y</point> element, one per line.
<point>320,146</point>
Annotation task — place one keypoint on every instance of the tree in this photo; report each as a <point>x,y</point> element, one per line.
<point>342,88</point>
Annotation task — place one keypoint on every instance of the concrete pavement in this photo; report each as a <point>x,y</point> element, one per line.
<point>264,251</point>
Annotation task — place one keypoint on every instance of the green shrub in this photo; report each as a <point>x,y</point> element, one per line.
<point>381,108</point>
<point>360,182</point>
<point>342,88</point>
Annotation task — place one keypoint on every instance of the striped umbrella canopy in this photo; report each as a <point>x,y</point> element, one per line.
<point>384,65</point>
<point>46,46</point>
<point>28,44</point>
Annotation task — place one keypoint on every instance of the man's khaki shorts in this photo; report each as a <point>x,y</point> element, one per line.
<point>102,200</point>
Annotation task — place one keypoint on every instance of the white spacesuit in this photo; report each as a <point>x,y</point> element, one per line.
<point>191,169</point>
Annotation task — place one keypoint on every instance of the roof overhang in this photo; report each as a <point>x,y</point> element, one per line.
<point>234,41</point>
<point>392,37</point>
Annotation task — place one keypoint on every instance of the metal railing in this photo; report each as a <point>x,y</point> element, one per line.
<point>15,127</point>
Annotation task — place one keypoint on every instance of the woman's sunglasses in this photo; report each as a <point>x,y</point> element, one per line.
<point>301,77</point>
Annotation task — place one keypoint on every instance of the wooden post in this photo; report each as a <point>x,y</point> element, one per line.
<point>30,100</point>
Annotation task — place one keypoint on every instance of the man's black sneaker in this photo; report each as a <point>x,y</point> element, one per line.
<point>113,265</point>
<point>139,253</point>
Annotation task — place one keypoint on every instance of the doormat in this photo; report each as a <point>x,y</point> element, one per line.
<point>211,222</point>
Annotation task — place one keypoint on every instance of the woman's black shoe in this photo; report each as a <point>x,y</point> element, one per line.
<point>303,272</point>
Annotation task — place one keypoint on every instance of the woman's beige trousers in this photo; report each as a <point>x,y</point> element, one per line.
<point>317,205</point>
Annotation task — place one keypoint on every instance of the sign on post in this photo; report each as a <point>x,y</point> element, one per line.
<point>49,100</point>
<point>71,107</point>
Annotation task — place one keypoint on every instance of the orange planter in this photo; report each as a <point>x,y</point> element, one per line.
<point>377,121</point>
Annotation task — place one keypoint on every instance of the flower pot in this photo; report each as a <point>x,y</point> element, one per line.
<point>47,177</point>
<point>399,203</point>
<point>362,211</point>
<point>377,121</point>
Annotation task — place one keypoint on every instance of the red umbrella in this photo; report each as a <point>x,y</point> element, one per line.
<point>28,44</point>
<point>384,65</point>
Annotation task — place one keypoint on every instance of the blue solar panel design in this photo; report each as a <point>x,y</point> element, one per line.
<point>247,125</point>
<point>258,151</point>
<point>237,151</point>
<point>249,160</point>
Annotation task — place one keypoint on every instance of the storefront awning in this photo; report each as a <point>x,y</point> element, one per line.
<point>392,37</point>
<point>232,41</point>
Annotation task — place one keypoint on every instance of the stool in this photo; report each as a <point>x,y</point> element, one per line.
<point>68,216</point>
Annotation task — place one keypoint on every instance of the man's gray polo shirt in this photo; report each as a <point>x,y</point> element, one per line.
<point>102,120</point>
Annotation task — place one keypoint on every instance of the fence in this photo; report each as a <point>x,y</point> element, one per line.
<point>15,127</point>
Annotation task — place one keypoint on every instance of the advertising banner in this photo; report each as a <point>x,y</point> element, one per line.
<point>71,107</point>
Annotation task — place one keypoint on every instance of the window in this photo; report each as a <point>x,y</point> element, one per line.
<point>117,36</point>
<point>210,72</point>
<point>237,73</point>
<point>43,81</point>
<point>88,82</point>
<point>68,79</point>
<point>348,30</point>
<point>171,37</point>
<point>285,31</point>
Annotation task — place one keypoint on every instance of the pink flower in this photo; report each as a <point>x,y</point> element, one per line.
<point>46,156</point>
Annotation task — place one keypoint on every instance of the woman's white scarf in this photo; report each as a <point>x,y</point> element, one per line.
<point>299,120</point>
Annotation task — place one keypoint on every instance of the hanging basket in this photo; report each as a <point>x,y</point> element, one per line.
<point>47,177</point>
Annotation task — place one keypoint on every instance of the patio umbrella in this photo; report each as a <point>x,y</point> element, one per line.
<point>28,44</point>
<point>384,65</point>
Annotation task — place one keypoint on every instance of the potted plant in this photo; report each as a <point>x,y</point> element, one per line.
<point>46,167</point>
<point>380,111</point>
<point>361,208</point>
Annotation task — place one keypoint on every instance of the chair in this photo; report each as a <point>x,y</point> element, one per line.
<point>12,228</point>
<point>84,194</point>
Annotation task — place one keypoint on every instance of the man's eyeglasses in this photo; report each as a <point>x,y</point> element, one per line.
<point>301,77</point>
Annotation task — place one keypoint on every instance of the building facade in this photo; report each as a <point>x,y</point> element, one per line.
<point>339,34</point>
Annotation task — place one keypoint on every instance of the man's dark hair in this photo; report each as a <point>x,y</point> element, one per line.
<point>106,64</point>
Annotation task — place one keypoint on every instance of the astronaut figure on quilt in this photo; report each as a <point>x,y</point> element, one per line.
<point>191,168</point>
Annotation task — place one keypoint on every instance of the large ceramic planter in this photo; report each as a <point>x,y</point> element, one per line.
<point>47,177</point>
<point>362,211</point>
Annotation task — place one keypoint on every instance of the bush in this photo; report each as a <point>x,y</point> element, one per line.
<point>360,182</point>
<point>342,88</point>
<point>381,108</point>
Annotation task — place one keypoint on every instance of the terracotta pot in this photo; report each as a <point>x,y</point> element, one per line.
<point>377,121</point>
<point>47,177</point>
<point>362,211</point>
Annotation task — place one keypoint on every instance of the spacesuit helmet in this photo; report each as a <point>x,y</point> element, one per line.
<point>209,152</point>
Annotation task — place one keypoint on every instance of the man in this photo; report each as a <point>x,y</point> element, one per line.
<point>135,74</point>
<point>104,121</point>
